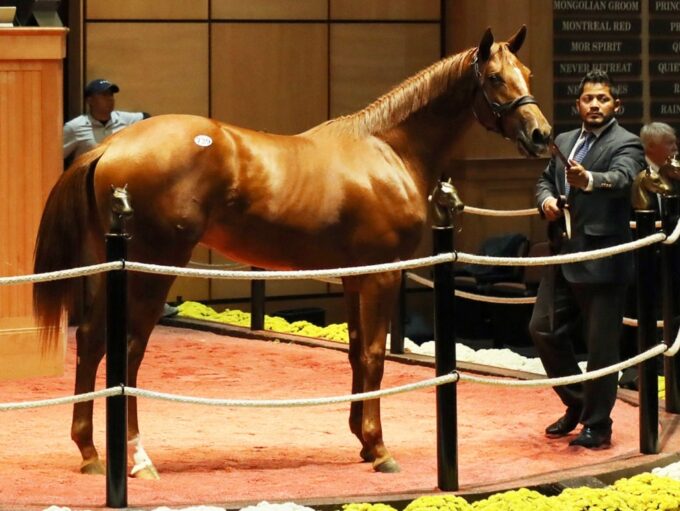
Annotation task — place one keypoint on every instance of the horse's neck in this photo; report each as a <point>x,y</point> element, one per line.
<point>425,137</point>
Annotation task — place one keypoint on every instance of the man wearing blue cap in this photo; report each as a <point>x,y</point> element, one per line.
<point>86,131</point>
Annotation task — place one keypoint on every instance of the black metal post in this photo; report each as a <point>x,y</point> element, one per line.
<point>646,336</point>
<point>116,373</point>
<point>257,296</point>
<point>398,322</point>
<point>445,363</point>
<point>670,213</point>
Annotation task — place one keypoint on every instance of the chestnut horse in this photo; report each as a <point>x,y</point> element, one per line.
<point>351,191</point>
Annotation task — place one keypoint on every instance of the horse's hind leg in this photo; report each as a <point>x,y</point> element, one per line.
<point>90,350</point>
<point>369,317</point>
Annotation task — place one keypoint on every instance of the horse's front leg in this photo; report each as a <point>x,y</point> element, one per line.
<point>143,315</point>
<point>377,298</point>
<point>353,323</point>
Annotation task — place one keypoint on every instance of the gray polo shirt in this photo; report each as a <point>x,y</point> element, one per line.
<point>85,132</point>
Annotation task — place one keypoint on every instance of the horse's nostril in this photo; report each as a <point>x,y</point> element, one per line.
<point>538,137</point>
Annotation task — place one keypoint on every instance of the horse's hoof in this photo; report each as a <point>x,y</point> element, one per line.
<point>388,466</point>
<point>366,455</point>
<point>149,473</point>
<point>95,467</point>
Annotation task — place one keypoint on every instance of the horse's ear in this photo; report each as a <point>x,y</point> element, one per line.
<point>484,49</point>
<point>516,41</point>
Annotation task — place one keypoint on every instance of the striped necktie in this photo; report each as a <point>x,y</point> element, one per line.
<point>580,154</point>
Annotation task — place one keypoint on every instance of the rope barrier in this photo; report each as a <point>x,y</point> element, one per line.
<point>495,212</point>
<point>673,237</point>
<point>399,266</point>
<point>359,270</point>
<point>78,398</point>
<point>63,274</point>
<point>347,271</point>
<point>501,299</point>
<point>287,403</point>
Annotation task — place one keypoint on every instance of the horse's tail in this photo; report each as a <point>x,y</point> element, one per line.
<point>60,242</point>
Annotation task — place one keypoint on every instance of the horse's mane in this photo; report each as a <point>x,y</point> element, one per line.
<point>403,100</point>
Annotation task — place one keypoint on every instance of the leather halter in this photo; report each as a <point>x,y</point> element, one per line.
<point>498,109</point>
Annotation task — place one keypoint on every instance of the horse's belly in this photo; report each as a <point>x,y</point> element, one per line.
<point>341,244</point>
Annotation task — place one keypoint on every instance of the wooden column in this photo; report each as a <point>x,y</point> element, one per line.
<point>30,163</point>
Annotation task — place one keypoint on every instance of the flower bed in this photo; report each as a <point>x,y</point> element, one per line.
<point>656,491</point>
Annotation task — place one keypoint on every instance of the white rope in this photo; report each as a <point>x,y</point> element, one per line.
<point>494,299</point>
<point>78,398</point>
<point>233,266</point>
<point>281,403</point>
<point>498,299</point>
<point>63,274</point>
<point>495,212</point>
<point>673,349</point>
<point>397,266</point>
<point>340,272</point>
<point>420,280</point>
<point>288,403</point>
<point>673,237</point>
<point>567,380</point>
<point>564,258</point>
<point>291,274</point>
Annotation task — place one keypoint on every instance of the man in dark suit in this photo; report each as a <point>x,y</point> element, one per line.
<point>586,197</point>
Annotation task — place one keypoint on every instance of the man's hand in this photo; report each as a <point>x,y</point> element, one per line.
<point>551,209</point>
<point>577,176</point>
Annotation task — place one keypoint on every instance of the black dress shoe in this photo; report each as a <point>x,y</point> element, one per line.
<point>565,424</point>
<point>593,438</point>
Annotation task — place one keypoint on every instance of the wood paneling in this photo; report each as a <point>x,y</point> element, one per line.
<point>385,9</point>
<point>160,67</point>
<point>369,59</point>
<point>270,77</point>
<point>501,186</point>
<point>146,9</point>
<point>30,163</point>
<point>270,9</point>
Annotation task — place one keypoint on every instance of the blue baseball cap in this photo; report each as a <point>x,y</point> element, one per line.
<point>100,85</point>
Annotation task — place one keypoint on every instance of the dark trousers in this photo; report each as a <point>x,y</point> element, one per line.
<point>559,306</point>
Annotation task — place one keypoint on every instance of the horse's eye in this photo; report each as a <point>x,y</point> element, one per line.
<point>495,79</point>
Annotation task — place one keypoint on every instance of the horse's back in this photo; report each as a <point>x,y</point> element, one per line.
<point>247,193</point>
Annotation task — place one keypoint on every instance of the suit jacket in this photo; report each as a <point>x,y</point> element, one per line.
<point>599,218</point>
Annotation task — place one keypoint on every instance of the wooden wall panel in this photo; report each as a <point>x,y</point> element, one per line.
<point>270,77</point>
<point>499,185</point>
<point>385,9</point>
<point>222,289</point>
<point>269,9</point>
<point>30,163</point>
<point>146,9</point>
<point>192,288</point>
<point>160,67</point>
<point>368,59</point>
